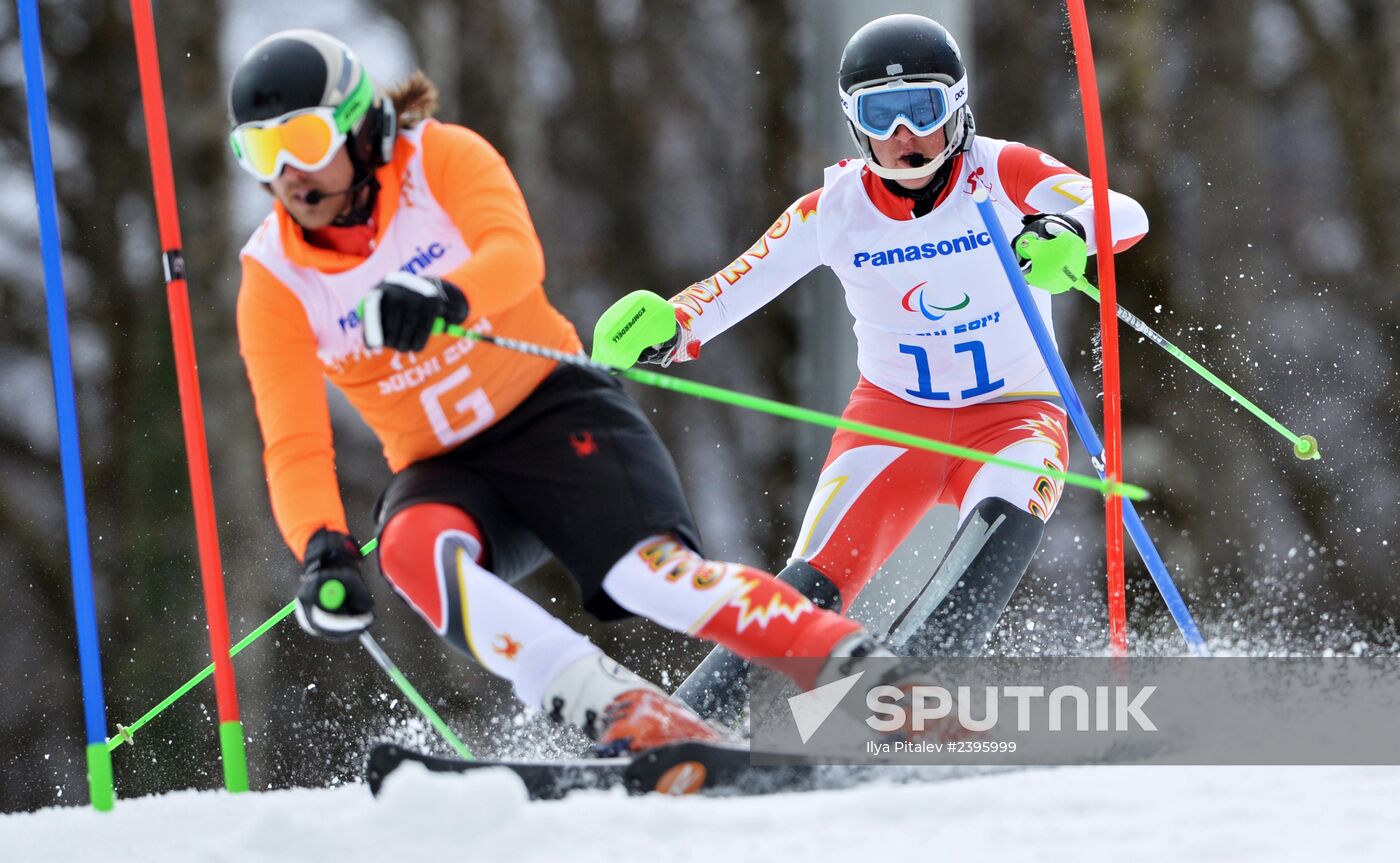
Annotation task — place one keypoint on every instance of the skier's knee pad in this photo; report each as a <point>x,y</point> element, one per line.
<point>408,548</point>
<point>957,611</point>
<point>813,584</point>
<point>1013,535</point>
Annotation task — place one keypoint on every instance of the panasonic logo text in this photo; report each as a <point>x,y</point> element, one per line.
<point>422,258</point>
<point>923,251</point>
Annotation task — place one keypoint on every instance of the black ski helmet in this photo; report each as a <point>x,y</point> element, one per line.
<point>298,69</point>
<point>906,48</point>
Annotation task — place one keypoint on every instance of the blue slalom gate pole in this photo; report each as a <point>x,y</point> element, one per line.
<point>1085,429</point>
<point>99,758</point>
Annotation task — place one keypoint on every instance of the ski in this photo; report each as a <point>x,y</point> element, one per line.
<point>544,780</point>
<point>676,768</point>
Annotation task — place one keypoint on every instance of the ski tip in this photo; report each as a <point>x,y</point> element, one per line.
<point>686,767</point>
<point>685,777</point>
<point>383,759</point>
<point>712,767</point>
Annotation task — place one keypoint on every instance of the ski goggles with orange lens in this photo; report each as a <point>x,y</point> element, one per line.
<point>920,106</point>
<point>307,139</point>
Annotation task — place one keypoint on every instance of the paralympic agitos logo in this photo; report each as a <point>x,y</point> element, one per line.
<point>927,309</point>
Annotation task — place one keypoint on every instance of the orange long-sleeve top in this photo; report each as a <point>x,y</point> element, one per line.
<point>448,206</point>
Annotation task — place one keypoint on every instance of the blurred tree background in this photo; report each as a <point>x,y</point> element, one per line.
<point>654,142</point>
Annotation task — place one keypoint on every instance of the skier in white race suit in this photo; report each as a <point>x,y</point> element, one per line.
<point>943,349</point>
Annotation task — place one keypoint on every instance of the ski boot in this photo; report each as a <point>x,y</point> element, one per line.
<point>622,713</point>
<point>853,655</point>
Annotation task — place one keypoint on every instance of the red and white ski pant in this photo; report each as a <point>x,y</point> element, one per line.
<point>871,494</point>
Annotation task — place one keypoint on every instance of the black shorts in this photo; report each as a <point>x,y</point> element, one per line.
<point>576,470</point>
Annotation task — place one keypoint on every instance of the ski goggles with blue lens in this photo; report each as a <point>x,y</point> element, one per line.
<point>920,106</point>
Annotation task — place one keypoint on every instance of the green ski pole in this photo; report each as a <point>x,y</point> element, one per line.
<point>127,733</point>
<point>787,411</point>
<point>372,647</point>
<point>332,595</point>
<point>1304,446</point>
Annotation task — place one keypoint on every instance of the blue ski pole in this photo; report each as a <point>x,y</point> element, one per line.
<point>1085,429</point>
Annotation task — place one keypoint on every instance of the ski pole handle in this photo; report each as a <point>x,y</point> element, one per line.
<point>332,594</point>
<point>630,326</point>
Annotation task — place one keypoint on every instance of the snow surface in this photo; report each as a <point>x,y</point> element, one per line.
<point>1178,814</point>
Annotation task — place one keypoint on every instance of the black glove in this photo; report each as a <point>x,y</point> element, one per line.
<point>662,354</point>
<point>333,601</point>
<point>400,312</point>
<point>680,348</point>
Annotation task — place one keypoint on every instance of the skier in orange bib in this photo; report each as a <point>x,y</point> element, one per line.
<point>385,222</point>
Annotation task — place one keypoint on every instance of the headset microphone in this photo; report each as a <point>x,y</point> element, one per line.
<point>316,196</point>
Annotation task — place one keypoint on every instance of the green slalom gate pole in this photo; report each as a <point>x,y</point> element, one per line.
<point>792,412</point>
<point>1304,446</point>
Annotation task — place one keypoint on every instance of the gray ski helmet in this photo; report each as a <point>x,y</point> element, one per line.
<point>905,48</point>
<point>298,69</point>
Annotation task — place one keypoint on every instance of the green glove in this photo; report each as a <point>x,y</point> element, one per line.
<point>631,326</point>
<point>1053,252</point>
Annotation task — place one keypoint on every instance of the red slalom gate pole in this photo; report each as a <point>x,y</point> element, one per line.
<point>231,744</point>
<point>1108,323</point>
